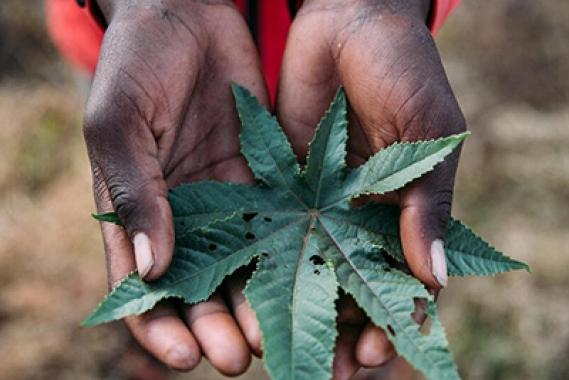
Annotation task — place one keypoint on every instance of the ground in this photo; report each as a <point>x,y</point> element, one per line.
<point>507,61</point>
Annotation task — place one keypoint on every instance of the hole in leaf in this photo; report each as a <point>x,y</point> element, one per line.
<point>316,260</point>
<point>267,219</point>
<point>391,331</point>
<point>182,223</point>
<point>317,271</point>
<point>419,315</point>
<point>250,216</point>
<point>264,254</point>
<point>387,270</point>
<point>212,247</point>
<point>425,329</point>
<point>250,236</point>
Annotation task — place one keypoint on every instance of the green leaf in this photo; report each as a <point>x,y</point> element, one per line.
<point>110,217</point>
<point>392,168</point>
<point>468,254</point>
<point>308,244</point>
<point>293,298</point>
<point>264,144</point>
<point>326,161</point>
<point>387,295</point>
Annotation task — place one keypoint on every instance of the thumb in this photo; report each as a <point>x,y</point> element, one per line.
<point>425,214</point>
<point>306,85</point>
<point>128,179</point>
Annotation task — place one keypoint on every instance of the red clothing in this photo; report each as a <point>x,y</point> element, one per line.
<point>75,33</point>
<point>441,10</point>
<point>78,35</point>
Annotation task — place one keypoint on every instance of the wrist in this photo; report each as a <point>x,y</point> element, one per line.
<point>110,8</point>
<point>426,7</point>
<point>420,9</point>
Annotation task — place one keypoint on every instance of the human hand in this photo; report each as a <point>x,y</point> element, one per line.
<point>382,53</point>
<point>161,113</point>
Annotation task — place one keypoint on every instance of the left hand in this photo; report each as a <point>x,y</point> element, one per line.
<point>383,54</point>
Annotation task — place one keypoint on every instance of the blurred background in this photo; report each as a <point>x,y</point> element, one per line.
<point>508,61</point>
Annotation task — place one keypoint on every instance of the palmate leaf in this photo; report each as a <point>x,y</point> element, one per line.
<point>308,244</point>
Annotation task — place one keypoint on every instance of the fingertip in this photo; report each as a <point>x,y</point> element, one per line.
<point>250,328</point>
<point>438,262</point>
<point>225,348</point>
<point>162,333</point>
<point>374,348</point>
<point>425,255</point>
<point>219,337</point>
<point>143,254</point>
<point>244,315</point>
<point>182,357</point>
<point>154,248</point>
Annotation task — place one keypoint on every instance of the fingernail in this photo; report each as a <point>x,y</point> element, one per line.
<point>439,263</point>
<point>143,254</point>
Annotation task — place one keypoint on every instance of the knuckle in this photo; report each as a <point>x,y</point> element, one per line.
<point>443,204</point>
<point>124,201</point>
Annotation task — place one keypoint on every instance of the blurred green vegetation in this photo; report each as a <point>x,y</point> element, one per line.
<point>42,156</point>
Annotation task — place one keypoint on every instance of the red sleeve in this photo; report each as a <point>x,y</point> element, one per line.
<point>75,33</point>
<point>78,35</point>
<point>273,26</point>
<point>441,10</point>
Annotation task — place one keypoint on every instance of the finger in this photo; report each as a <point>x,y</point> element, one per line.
<point>350,322</point>
<point>408,102</point>
<point>128,179</point>
<point>219,336</point>
<point>373,348</point>
<point>345,363</point>
<point>162,333</point>
<point>244,315</point>
<point>425,214</point>
<point>306,85</point>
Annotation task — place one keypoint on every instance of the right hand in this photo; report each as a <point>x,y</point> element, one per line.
<point>161,113</point>
<point>382,52</point>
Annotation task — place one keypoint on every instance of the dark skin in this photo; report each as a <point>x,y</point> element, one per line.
<point>161,113</point>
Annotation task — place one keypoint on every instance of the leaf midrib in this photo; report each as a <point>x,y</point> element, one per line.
<point>295,287</point>
<point>279,171</point>
<point>365,190</point>
<point>258,242</point>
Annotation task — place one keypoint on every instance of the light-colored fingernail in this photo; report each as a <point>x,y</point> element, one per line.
<point>143,254</point>
<point>439,263</point>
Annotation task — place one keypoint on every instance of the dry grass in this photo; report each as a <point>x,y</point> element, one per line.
<point>508,64</point>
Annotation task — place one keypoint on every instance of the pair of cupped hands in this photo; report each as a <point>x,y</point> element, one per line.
<point>161,113</point>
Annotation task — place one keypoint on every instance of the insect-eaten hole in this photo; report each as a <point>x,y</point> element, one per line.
<point>316,260</point>
<point>250,236</point>
<point>391,331</point>
<point>249,216</point>
<point>317,272</point>
<point>212,247</point>
<point>267,219</point>
<point>264,254</point>
<point>420,317</point>
<point>387,269</point>
<point>425,329</point>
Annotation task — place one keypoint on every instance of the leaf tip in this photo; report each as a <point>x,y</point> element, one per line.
<point>110,217</point>
<point>463,135</point>
<point>240,91</point>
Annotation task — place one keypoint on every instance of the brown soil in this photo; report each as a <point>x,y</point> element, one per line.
<point>508,62</point>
